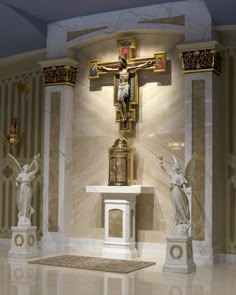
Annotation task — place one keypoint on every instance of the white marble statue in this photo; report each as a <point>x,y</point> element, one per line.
<point>26,174</point>
<point>179,189</point>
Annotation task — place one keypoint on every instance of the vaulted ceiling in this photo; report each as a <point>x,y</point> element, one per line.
<point>24,22</point>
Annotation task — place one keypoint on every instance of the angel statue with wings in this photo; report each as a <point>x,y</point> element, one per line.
<point>26,174</point>
<point>179,184</point>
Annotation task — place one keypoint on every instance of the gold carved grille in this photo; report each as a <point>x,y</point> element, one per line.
<point>62,74</point>
<point>201,60</point>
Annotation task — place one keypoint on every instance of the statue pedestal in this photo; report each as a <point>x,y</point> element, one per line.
<point>23,242</point>
<point>119,216</point>
<point>179,254</point>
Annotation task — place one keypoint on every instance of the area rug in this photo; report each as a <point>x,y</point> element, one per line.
<point>94,263</point>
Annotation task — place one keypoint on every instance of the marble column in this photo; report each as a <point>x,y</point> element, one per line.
<point>230,61</point>
<point>59,79</point>
<point>201,64</point>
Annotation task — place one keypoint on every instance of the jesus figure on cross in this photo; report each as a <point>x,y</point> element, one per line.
<point>123,92</point>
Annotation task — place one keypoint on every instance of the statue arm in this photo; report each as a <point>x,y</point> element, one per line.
<point>17,183</point>
<point>34,163</point>
<point>36,168</point>
<point>184,182</point>
<point>107,69</point>
<point>18,180</point>
<point>143,65</point>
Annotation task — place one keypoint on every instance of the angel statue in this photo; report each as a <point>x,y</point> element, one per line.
<point>179,184</point>
<point>26,174</point>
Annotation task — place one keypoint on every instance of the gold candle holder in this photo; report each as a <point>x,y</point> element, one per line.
<point>13,137</point>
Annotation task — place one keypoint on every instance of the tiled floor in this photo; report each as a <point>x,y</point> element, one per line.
<point>17,277</point>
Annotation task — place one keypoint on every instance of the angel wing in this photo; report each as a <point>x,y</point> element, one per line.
<point>17,167</point>
<point>35,158</point>
<point>188,173</point>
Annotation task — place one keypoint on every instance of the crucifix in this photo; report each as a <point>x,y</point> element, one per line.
<point>126,98</point>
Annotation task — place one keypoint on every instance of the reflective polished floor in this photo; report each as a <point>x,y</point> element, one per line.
<point>17,277</point>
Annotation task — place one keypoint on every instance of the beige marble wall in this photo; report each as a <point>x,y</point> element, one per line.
<point>160,125</point>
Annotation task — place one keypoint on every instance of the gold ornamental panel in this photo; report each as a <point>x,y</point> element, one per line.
<point>115,223</point>
<point>201,61</point>
<point>60,75</point>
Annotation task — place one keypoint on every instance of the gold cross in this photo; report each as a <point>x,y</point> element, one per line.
<point>126,97</point>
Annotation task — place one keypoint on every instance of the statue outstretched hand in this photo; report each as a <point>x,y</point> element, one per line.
<point>160,157</point>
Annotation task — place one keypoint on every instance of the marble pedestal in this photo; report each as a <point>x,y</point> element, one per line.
<point>23,242</point>
<point>120,201</point>
<point>179,254</point>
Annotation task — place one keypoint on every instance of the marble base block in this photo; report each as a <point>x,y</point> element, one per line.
<point>23,242</point>
<point>179,255</point>
<point>119,251</point>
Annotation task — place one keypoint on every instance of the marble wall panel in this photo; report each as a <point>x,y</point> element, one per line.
<point>219,163</point>
<point>115,223</point>
<point>159,130</point>
<point>54,163</point>
<point>198,146</point>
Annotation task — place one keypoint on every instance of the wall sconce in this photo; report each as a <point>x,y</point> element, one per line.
<point>13,137</point>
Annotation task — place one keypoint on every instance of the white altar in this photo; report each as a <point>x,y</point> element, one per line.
<point>119,217</point>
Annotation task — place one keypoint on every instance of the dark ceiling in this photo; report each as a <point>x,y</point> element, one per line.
<point>24,22</point>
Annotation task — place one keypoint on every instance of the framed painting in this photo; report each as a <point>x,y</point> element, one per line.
<point>160,62</point>
<point>93,69</point>
<point>126,47</point>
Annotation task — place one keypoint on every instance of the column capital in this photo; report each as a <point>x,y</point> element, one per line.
<point>59,71</point>
<point>201,57</point>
